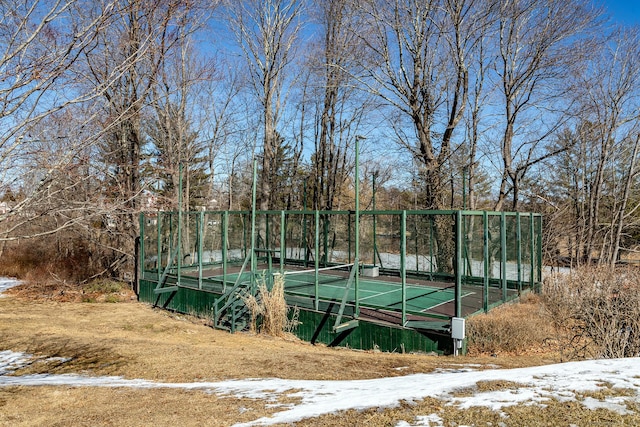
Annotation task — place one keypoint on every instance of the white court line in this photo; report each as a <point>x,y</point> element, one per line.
<point>332,286</point>
<point>381,293</point>
<point>375,294</point>
<point>425,310</point>
<point>435,290</point>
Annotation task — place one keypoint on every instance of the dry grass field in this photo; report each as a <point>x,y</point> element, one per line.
<point>134,340</point>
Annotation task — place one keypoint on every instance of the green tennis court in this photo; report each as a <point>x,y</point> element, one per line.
<point>372,293</point>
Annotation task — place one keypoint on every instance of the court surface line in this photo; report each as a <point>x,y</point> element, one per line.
<point>381,293</point>
<point>424,310</point>
<point>374,294</point>
<point>321,285</point>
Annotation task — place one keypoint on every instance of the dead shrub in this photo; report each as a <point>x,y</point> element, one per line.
<point>93,292</point>
<point>269,309</point>
<point>595,312</point>
<point>514,328</point>
<point>63,257</point>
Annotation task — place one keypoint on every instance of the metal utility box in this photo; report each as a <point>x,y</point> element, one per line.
<point>458,328</point>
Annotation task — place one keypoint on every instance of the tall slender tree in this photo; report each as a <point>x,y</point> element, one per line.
<point>267,32</point>
<point>133,50</point>
<point>539,43</point>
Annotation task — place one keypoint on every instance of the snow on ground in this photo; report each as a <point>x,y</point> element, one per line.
<point>534,386</point>
<point>6,283</point>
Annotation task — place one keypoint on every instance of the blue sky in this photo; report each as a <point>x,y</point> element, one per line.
<point>624,11</point>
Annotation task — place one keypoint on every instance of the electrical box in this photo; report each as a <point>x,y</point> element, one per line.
<point>458,328</point>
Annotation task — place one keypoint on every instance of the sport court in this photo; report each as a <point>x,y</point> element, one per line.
<point>334,285</point>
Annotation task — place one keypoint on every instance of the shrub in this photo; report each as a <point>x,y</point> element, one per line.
<point>63,257</point>
<point>105,286</point>
<point>513,328</point>
<point>595,312</point>
<point>269,310</point>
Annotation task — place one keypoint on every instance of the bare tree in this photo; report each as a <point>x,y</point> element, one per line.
<point>614,101</point>
<point>424,49</point>
<point>339,107</point>
<point>539,43</point>
<point>266,31</point>
<point>129,55</point>
<point>176,127</point>
<point>223,127</point>
<point>40,43</point>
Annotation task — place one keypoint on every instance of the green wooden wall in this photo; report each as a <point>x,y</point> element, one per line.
<point>314,327</point>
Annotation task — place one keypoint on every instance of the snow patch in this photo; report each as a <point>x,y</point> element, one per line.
<point>536,386</point>
<point>6,283</point>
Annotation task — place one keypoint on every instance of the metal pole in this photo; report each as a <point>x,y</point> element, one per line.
<point>519,251</point>
<point>139,267</point>
<point>532,249</point>
<point>539,239</point>
<point>283,243</point>
<point>403,264</point>
<point>459,263</point>
<point>373,206</point>
<point>159,259</point>
<point>349,237</point>
<point>416,218</point>
<point>315,257</point>
<point>325,239</point>
<point>357,226</point>
<point>304,227</point>
<point>253,226</point>
<point>180,222</point>
<point>503,253</point>
<point>200,247</point>
<point>431,247</point>
<point>225,237</point>
<point>464,188</point>
<point>485,257</point>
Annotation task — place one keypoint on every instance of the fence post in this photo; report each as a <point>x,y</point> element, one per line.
<point>485,257</point>
<point>315,257</point>
<point>200,247</point>
<point>458,265</point>
<point>503,253</point>
<point>519,251</point>
<point>403,267</point>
